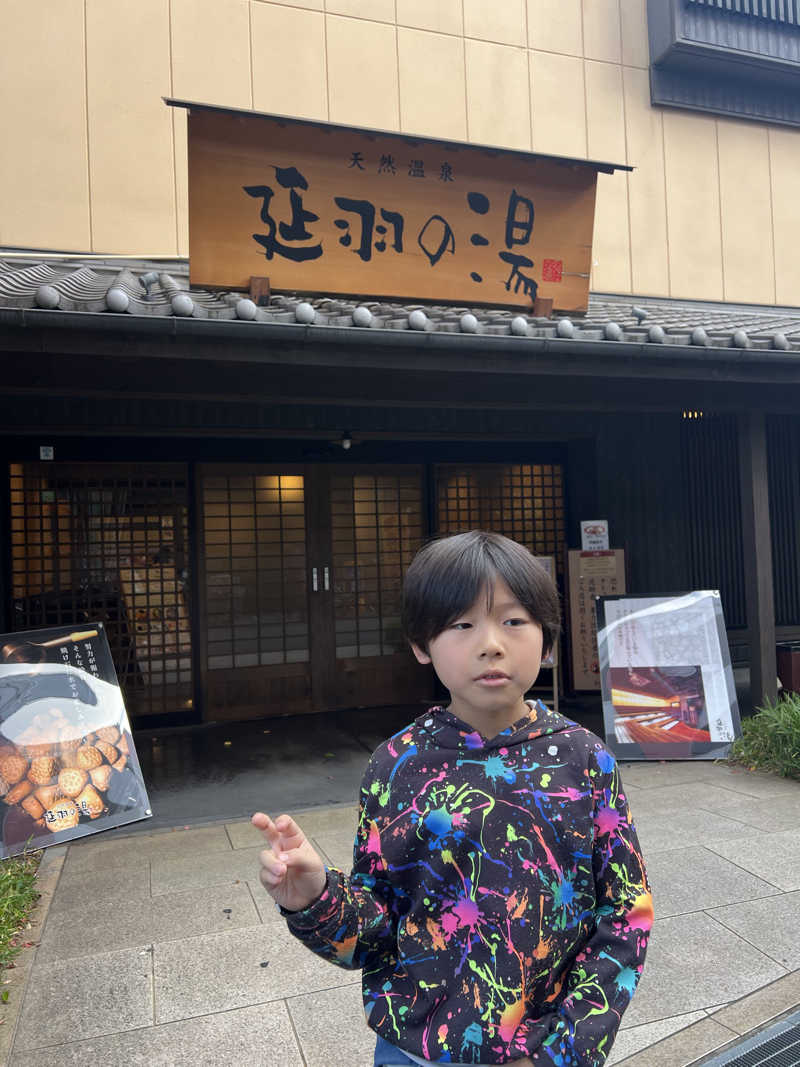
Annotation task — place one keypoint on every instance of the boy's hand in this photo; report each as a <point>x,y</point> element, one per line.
<point>291,871</point>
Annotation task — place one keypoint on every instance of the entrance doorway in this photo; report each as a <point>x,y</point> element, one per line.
<point>302,570</point>
<point>256,590</point>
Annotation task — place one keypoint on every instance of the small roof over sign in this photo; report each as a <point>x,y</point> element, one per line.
<point>603,166</point>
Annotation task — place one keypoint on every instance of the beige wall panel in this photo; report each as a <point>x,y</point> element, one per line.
<point>432,99</point>
<point>556,26</point>
<point>558,104</point>
<point>315,5</point>
<point>635,43</point>
<point>381,10</point>
<point>443,16</point>
<point>646,192</point>
<point>611,254</point>
<point>746,211</point>
<point>179,133</point>
<point>289,61</point>
<point>692,182</point>
<point>498,108</point>
<point>785,158</point>
<point>43,126</point>
<point>605,114</point>
<point>601,30</point>
<point>211,51</point>
<point>130,127</point>
<point>362,73</point>
<point>489,21</point>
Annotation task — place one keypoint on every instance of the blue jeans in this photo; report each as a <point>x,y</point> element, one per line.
<point>387,1055</point>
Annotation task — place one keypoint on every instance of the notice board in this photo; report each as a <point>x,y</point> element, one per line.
<point>327,209</point>
<point>591,574</point>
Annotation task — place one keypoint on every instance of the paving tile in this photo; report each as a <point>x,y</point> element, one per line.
<point>649,774</point>
<point>776,859</point>
<point>699,881</point>
<point>679,829</point>
<point>105,927</point>
<point>312,821</point>
<point>761,1006</point>
<point>216,868</point>
<point>756,783</point>
<point>260,1036</point>
<point>331,1027</point>
<point>85,887</point>
<point>694,962</point>
<point>683,1048</point>
<point>218,972</point>
<point>130,850</point>
<point>635,1038</point>
<point>770,925</point>
<point>764,813</point>
<point>337,846</point>
<point>74,999</point>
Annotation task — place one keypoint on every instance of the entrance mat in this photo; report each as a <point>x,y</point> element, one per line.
<point>777,1046</point>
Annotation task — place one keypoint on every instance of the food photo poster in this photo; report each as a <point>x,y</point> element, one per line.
<point>68,765</point>
<point>666,678</point>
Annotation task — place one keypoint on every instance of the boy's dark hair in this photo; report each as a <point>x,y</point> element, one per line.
<point>447,576</point>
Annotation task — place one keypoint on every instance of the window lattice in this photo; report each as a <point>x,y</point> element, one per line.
<point>523,501</point>
<point>108,543</point>
<point>254,528</point>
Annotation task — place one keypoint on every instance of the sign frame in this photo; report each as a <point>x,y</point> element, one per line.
<point>684,700</point>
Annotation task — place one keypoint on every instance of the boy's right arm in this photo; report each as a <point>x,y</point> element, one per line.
<point>345,919</point>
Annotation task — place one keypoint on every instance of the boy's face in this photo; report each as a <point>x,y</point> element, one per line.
<point>488,658</point>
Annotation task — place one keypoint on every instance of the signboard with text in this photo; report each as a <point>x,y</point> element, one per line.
<point>591,574</point>
<point>325,209</point>
<point>68,765</point>
<point>667,683</point>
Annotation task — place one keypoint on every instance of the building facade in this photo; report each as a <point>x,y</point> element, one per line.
<point>236,497</point>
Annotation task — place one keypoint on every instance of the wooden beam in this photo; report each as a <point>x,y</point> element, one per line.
<point>757,550</point>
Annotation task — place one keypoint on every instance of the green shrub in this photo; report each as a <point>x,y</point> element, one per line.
<point>18,894</point>
<point>770,739</point>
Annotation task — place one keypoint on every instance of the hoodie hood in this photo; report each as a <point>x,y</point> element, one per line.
<point>445,730</point>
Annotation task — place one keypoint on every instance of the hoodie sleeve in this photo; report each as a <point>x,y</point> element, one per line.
<point>604,974</point>
<point>356,916</point>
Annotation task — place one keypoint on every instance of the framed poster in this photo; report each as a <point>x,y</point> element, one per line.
<point>68,766</point>
<point>667,683</point>
<point>591,574</point>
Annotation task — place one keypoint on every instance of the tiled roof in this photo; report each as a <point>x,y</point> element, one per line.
<point>137,287</point>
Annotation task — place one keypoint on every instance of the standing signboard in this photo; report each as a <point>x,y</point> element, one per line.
<point>591,574</point>
<point>68,766</point>
<point>668,689</point>
<point>328,209</point>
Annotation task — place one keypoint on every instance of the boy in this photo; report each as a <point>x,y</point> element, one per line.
<point>498,903</point>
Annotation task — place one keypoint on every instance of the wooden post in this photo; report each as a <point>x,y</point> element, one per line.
<point>757,549</point>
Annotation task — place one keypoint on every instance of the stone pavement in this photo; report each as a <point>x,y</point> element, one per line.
<point>161,948</point>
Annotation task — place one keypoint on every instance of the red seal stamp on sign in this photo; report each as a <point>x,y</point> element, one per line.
<point>552,270</point>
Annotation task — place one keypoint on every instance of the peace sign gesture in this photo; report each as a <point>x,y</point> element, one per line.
<point>291,870</point>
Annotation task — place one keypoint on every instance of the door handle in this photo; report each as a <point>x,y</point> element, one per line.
<point>326,578</point>
<point>314,580</point>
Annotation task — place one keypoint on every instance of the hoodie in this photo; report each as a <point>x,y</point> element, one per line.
<point>498,903</point>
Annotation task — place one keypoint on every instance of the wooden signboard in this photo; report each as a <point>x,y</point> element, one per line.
<point>324,209</point>
<point>591,574</point>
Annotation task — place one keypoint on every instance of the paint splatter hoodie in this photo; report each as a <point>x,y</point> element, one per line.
<point>498,903</point>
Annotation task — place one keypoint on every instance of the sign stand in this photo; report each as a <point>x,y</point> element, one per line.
<point>590,574</point>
